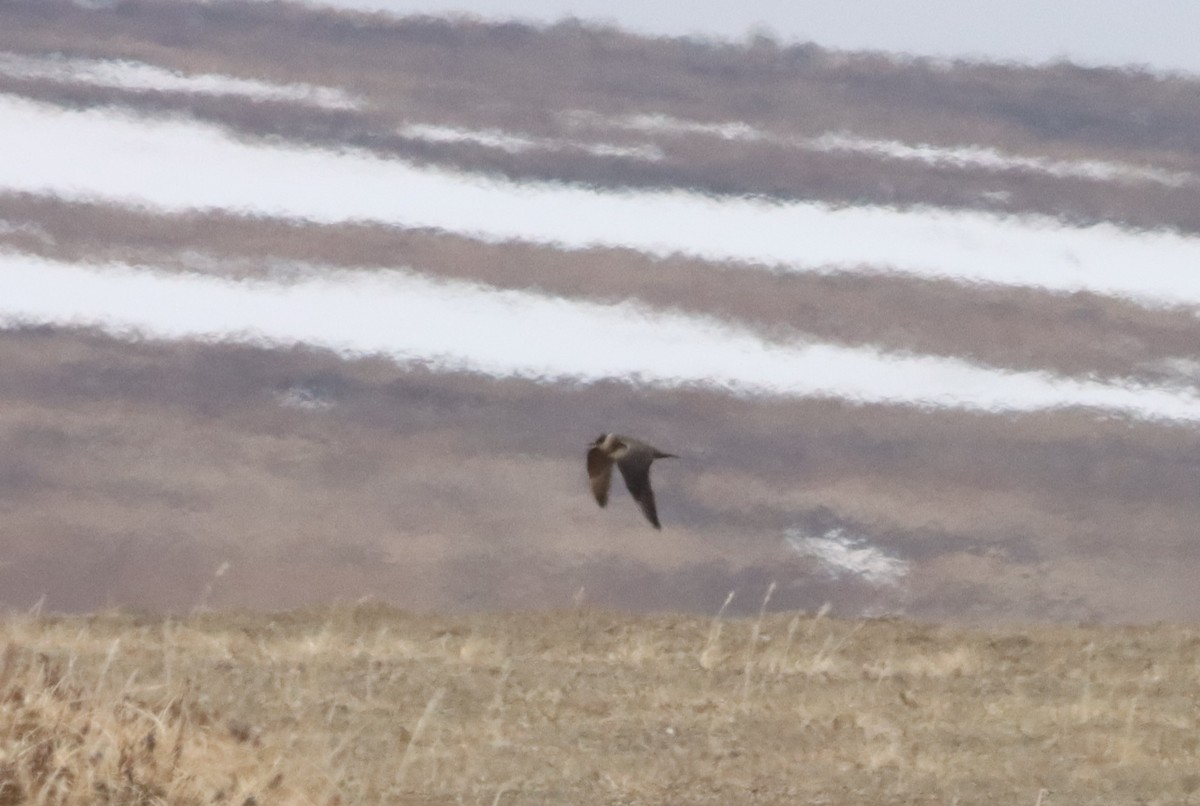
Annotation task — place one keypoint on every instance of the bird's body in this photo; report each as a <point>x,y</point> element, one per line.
<point>634,458</point>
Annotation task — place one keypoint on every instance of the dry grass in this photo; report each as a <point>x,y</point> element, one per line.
<point>71,732</point>
<point>370,705</point>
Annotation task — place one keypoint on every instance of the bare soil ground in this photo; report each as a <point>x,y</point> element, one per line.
<point>371,705</point>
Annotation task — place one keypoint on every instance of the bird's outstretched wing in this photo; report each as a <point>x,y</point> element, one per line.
<point>599,468</point>
<point>636,470</point>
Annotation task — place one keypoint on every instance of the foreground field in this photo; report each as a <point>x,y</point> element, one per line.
<point>372,705</point>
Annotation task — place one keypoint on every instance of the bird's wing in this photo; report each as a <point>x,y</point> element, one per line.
<point>599,467</point>
<point>636,470</point>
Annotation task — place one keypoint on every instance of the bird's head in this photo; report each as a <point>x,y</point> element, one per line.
<point>607,443</point>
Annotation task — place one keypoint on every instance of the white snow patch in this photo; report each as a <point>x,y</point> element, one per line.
<point>841,554</point>
<point>135,76</point>
<point>966,156</point>
<point>305,398</point>
<point>513,143</point>
<point>23,228</point>
<point>460,326</point>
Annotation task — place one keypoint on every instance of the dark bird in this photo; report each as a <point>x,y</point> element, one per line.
<point>634,458</point>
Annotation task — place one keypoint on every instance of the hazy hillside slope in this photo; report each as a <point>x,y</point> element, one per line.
<point>301,306</point>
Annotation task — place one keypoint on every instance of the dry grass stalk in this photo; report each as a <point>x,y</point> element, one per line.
<point>708,655</point>
<point>418,731</point>
<point>755,634</point>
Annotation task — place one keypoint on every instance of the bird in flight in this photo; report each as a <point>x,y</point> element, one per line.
<point>634,458</point>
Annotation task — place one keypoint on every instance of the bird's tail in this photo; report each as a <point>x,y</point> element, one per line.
<point>661,455</point>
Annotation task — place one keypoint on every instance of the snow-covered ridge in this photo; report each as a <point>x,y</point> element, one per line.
<point>136,76</point>
<point>460,326</point>
<point>103,155</point>
<point>513,143</point>
<point>964,156</point>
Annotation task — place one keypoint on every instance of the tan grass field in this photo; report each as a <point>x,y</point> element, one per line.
<point>373,705</point>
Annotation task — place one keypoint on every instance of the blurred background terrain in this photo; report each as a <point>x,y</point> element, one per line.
<point>980,229</point>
